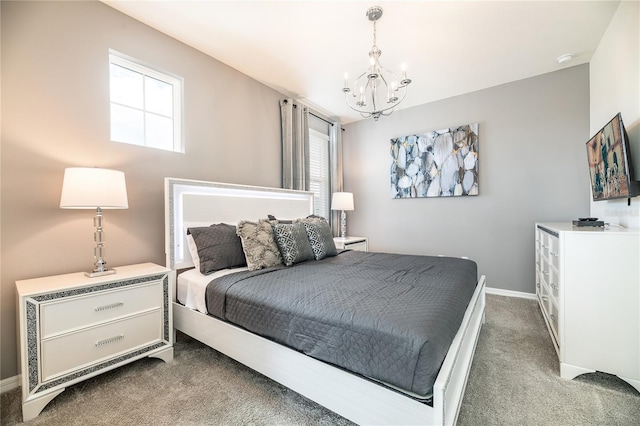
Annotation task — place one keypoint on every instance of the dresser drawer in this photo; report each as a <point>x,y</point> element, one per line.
<point>70,314</point>
<point>554,250</point>
<point>554,283</point>
<point>82,348</point>
<point>553,319</point>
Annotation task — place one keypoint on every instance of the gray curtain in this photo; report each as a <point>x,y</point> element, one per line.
<point>295,151</point>
<point>295,145</point>
<point>335,153</point>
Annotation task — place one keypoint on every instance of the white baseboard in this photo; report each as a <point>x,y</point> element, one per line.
<point>9,383</point>
<point>510,293</point>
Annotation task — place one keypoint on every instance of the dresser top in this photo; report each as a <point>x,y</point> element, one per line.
<point>568,227</point>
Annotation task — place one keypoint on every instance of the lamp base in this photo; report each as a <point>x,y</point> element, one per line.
<point>343,225</point>
<point>94,274</point>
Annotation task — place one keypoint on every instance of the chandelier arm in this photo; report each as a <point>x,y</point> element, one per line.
<point>356,81</point>
<point>391,107</point>
<point>403,93</point>
<point>367,114</point>
<point>386,85</point>
<point>373,93</point>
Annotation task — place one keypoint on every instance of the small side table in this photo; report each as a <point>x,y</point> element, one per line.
<point>352,243</point>
<point>72,327</point>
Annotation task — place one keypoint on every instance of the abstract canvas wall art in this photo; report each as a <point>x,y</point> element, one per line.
<point>440,163</point>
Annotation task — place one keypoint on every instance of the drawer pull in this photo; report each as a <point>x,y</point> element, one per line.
<point>107,307</point>
<point>552,253</point>
<point>110,340</point>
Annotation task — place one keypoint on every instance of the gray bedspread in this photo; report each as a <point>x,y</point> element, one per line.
<point>388,317</point>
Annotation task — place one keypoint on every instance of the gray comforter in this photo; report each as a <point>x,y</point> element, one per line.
<point>385,316</point>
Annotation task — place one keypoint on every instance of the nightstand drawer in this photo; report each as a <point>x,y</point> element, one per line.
<point>361,246</point>
<point>77,350</point>
<point>351,243</point>
<point>71,314</point>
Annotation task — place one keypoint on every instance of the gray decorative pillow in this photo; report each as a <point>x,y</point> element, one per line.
<point>320,238</point>
<point>293,242</point>
<point>258,244</point>
<point>218,247</point>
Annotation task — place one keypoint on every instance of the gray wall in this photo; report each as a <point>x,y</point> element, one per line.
<point>532,168</point>
<point>55,114</point>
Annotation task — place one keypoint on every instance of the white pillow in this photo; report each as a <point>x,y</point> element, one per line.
<point>194,251</point>
<point>191,244</point>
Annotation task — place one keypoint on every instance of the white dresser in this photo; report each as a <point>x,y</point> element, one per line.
<point>72,327</point>
<point>588,288</point>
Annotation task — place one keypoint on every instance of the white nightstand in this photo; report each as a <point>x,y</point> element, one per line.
<point>72,327</point>
<point>352,243</point>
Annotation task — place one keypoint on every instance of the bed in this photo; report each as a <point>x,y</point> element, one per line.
<point>359,396</point>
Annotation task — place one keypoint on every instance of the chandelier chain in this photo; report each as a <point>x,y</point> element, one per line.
<point>374,35</point>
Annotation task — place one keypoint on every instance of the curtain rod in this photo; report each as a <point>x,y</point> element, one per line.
<point>295,105</point>
<point>321,118</point>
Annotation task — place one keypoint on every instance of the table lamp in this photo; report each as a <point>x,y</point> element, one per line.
<point>93,188</point>
<point>342,201</point>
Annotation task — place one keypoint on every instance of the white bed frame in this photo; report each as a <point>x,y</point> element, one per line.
<point>353,397</point>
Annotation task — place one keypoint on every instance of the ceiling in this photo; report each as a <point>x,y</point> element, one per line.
<point>303,48</point>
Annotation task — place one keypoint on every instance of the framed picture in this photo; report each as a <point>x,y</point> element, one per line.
<point>439,163</point>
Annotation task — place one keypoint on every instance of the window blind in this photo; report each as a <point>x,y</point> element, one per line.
<point>319,172</point>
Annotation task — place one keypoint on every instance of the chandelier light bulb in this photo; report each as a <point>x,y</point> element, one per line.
<point>361,101</point>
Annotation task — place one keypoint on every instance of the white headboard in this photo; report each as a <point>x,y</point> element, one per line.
<point>203,203</point>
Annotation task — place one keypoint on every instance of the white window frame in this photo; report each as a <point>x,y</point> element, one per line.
<point>315,135</point>
<point>177,82</point>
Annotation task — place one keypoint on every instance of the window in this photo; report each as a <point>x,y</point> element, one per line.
<point>319,172</point>
<point>146,105</point>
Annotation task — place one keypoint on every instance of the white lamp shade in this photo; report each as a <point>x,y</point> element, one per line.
<point>90,188</point>
<point>342,201</point>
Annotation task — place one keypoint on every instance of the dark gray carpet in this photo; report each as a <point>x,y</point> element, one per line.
<point>515,378</point>
<point>514,381</point>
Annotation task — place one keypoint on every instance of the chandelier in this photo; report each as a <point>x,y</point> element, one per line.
<point>377,91</point>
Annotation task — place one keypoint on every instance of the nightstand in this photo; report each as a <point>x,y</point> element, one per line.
<point>352,243</point>
<point>72,327</point>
